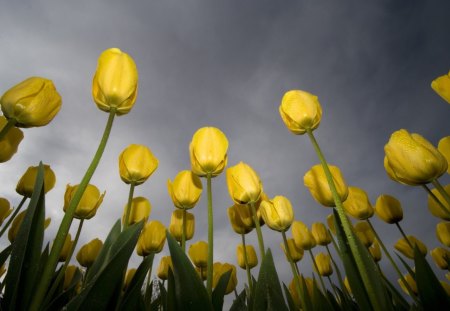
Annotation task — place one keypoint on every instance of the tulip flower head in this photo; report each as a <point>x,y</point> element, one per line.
<point>31,103</point>
<point>277,213</point>
<point>302,236</point>
<point>435,208</point>
<point>128,277</point>
<point>89,203</point>
<point>25,186</point>
<point>330,223</point>
<point>389,209</point>
<point>364,233</point>
<point>441,85</point>
<point>5,209</point>
<point>140,210</point>
<point>443,233</point>
<point>89,252</point>
<point>152,238</point>
<point>357,204</point>
<point>136,164</point>
<point>10,142</point>
<point>320,234</point>
<point>295,252</point>
<point>17,222</point>
<point>244,185</point>
<point>411,282</point>
<point>375,251</point>
<point>236,221</point>
<point>176,225</point>
<point>220,269</point>
<point>186,189</point>
<point>323,262</point>
<point>441,257</point>
<point>252,259</point>
<point>66,248</point>
<point>403,246</point>
<point>198,252</point>
<point>115,82</point>
<point>444,148</point>
<point>69,274</point>
<point>163,269</point>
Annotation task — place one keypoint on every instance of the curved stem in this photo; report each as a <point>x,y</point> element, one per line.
<point>317,270</point>
<point>209,272</point>
<point>404,235</point>
<point>262,250</point>
<point>64,227</point>
<point>247,268</point>
<point>7,127</point>
<point>183,233</point>
<point>128,211</point>
<point>442,191</point>
<point>14,214</point>
<point>293,267</point>
<point>336,268</point>
<point>436,199</point>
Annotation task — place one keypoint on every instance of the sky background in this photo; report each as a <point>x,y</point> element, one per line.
<point>227,64</point>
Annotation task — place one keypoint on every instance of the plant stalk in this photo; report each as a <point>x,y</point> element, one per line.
<point>14,214</point>
<point>262,250</point>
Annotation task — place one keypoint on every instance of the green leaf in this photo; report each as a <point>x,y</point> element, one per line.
<point>171,300</point>
<point>397,298</point>
<point>291,303</point>
<point>407,267</point>
<point>239,303</point>
<point>26,251</point>
<point>5,254</point>
<point>334,303</point>
<point>219,291</point>
<point>64,297</point>
<point>190,293</point>
<point>320,302</point>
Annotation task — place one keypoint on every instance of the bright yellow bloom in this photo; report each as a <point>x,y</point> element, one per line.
<point>330,223</point>
<point>185,190</point>
<point>115,82</point>
<point>302,236</point>
<point>17,222</point>
<point>441,257</point>
<point>89,252</point>
<point>139,210</point>
<point>68,242</point>
<point>89,203</point>
<point>412,160</point>
<point>163,268</point>
<point>198,252</point>
<point>128,277</point>
<point>33,102</point>
<point>300,111</point>
<point>236,220</point>
<point>364,233</point>
<point>152,238</point>
<point>375,251</point>
<point>220,269</point>
<point>389,209</point>
<point>208,151</point>
<point>252,259</point>
<point>441,85</point>
<point>244,185</point>
<point>25,185</point>
<point>136,164</point>
<point>435,208</point>
<point>10,142</point>
<point>443,233</point>
<point>277,213</point>
<point>5,209</point>
<point>176,225</point>
<point>293,291</point>
<point>323,262</point>
<point>295,252</point>
<point>411,282</point>
<point>444,148</point>
<point>320,233</point>
<point>357,204</point>
<point>70,272</point>
<point>317,184</point>
<point>403,246</point>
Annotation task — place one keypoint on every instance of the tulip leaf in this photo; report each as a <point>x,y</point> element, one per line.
<point>268,293</point>
<point>397,299</point>
<point>170,302</point>
<point>5,254</point>
<point>100,290</point>
<point>320,302</point>
<point>333,302</point>
<point>190,293</point>
<point>407,267</point>
<point>239,302</point>
<point>431,292</point>
<point>26,251</point>
<point>290,300</point>
<point>63,298</point>
<point>219,291</point>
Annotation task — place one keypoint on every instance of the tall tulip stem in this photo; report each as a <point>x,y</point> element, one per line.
<point>14,214</point>
<point>247,268</point>
<point>147,295</point>
<point>336,268</point>
<point>128,211</point>
<point>209,272</point>
<point>442,191</point>
<point>444,208</point>
<point>262,250</point>
<point>183,233</point>
<point>404,235</point>
<point>64,227</point>
<point>7,127</point>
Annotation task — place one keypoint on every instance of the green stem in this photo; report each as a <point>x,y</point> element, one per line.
<point>332,286</point>
<point>442,191</point>
<point>436,199</point>
<point>11,218</point>
<point>183,233</point>
<point>247,268</point>
<point>336,247</point>
<point>336,268</point>
<point>317,270</point>
<point>128,211</point>
<point>262,250</point>
<point>404,235</point>
<point>298,286</point>
<point>7,127</point>
<point>209,272</point>
<point>147,296</point>
<point>64,227</point>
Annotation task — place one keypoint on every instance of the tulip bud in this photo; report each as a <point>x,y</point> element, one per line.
<point>444,149</point>
<point>33,102</point>
<point>389,209</point>
<point>364,233</point>
<point>220,269</point>
<point>441,257</point>
<point>69,274</point>
<point>252,260</point>
<point>302,236</point>
<point>89,203</point>
<point>412,160</point>
<point>89,252</point>
<point>115,82</point>
<point>357,204</point>
<point>310,286</point>
<point>411,282</point>
<point>152,238</point>
<point>128,277</point>
<point>139,210</point>
<point>5,209</point>
<point>163,268</point>
<point>320,234</point>
<point>300,111</point>
<point>244,185</point>
<point>323,262</point>
<point>198,252</point>
<point>277,213</point>
<point>330,223</point>
<point>443,233</point>
<point>66,248</point>
<point>441,85</point>
<point>317,184</point>
<point>10,142</point>
<point>136,164</point>
<point>403,246</point>
<point>294,294</point>
<point>295,252</point>
<point>176,225</point>
<point>202,273</point>
<point>185,190</point>
<point>208,152</point>
<point>25,186</point>
<point>17,222</point>
<point>375,251</point>
<point>237,222</point>
<point>435,208</point>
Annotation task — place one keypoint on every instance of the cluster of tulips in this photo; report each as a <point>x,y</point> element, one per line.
<point>40,277</point>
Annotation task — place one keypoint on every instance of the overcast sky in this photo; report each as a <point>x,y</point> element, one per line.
<point>227,64</point>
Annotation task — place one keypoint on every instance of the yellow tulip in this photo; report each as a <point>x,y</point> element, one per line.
<point>436,209</point>
<point>5,209</point>
<point>412,160</point>
<point>68,242</point>
<point>317,184</point>
<point>295,252</point>
<point>444,148</point>
<point>244,185</point>
<point>136,164</point>
<point>277,213</point>
<point>246,215</point>
<point>185,190</point>
<point>220,269</point>
<point>115,82</point>
<point>163,268</point>
<point>441,257</point>
<point>375,251</point>
<point>140,210</point>
<point>17,222</point>
<point>25,185</point>
<point>441,85</point>
<point>69,274</point>
<point>320,233</point>
<point>89,252</point>
<point>302,236</point>
<point>310,285</point>
<point>300,111</point>
<point>198,252</point>
<point>128,278</point>
<point>330,223</point>
<point>364,233</point>
<point>293,291</point>
<point>10,142</point>
<point>176,225</point>
<point>389,209</point>
<point>152,238</point>
<point>357,204</point>
<point>403,246</point>
<point>208,151</point>
<point>89,203</point>
<point>252,259</point>
<point>443,233</point>
<point>236,220</point>
<point>411,282</point>
<point>33,102</point>
<point>323,262</point>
